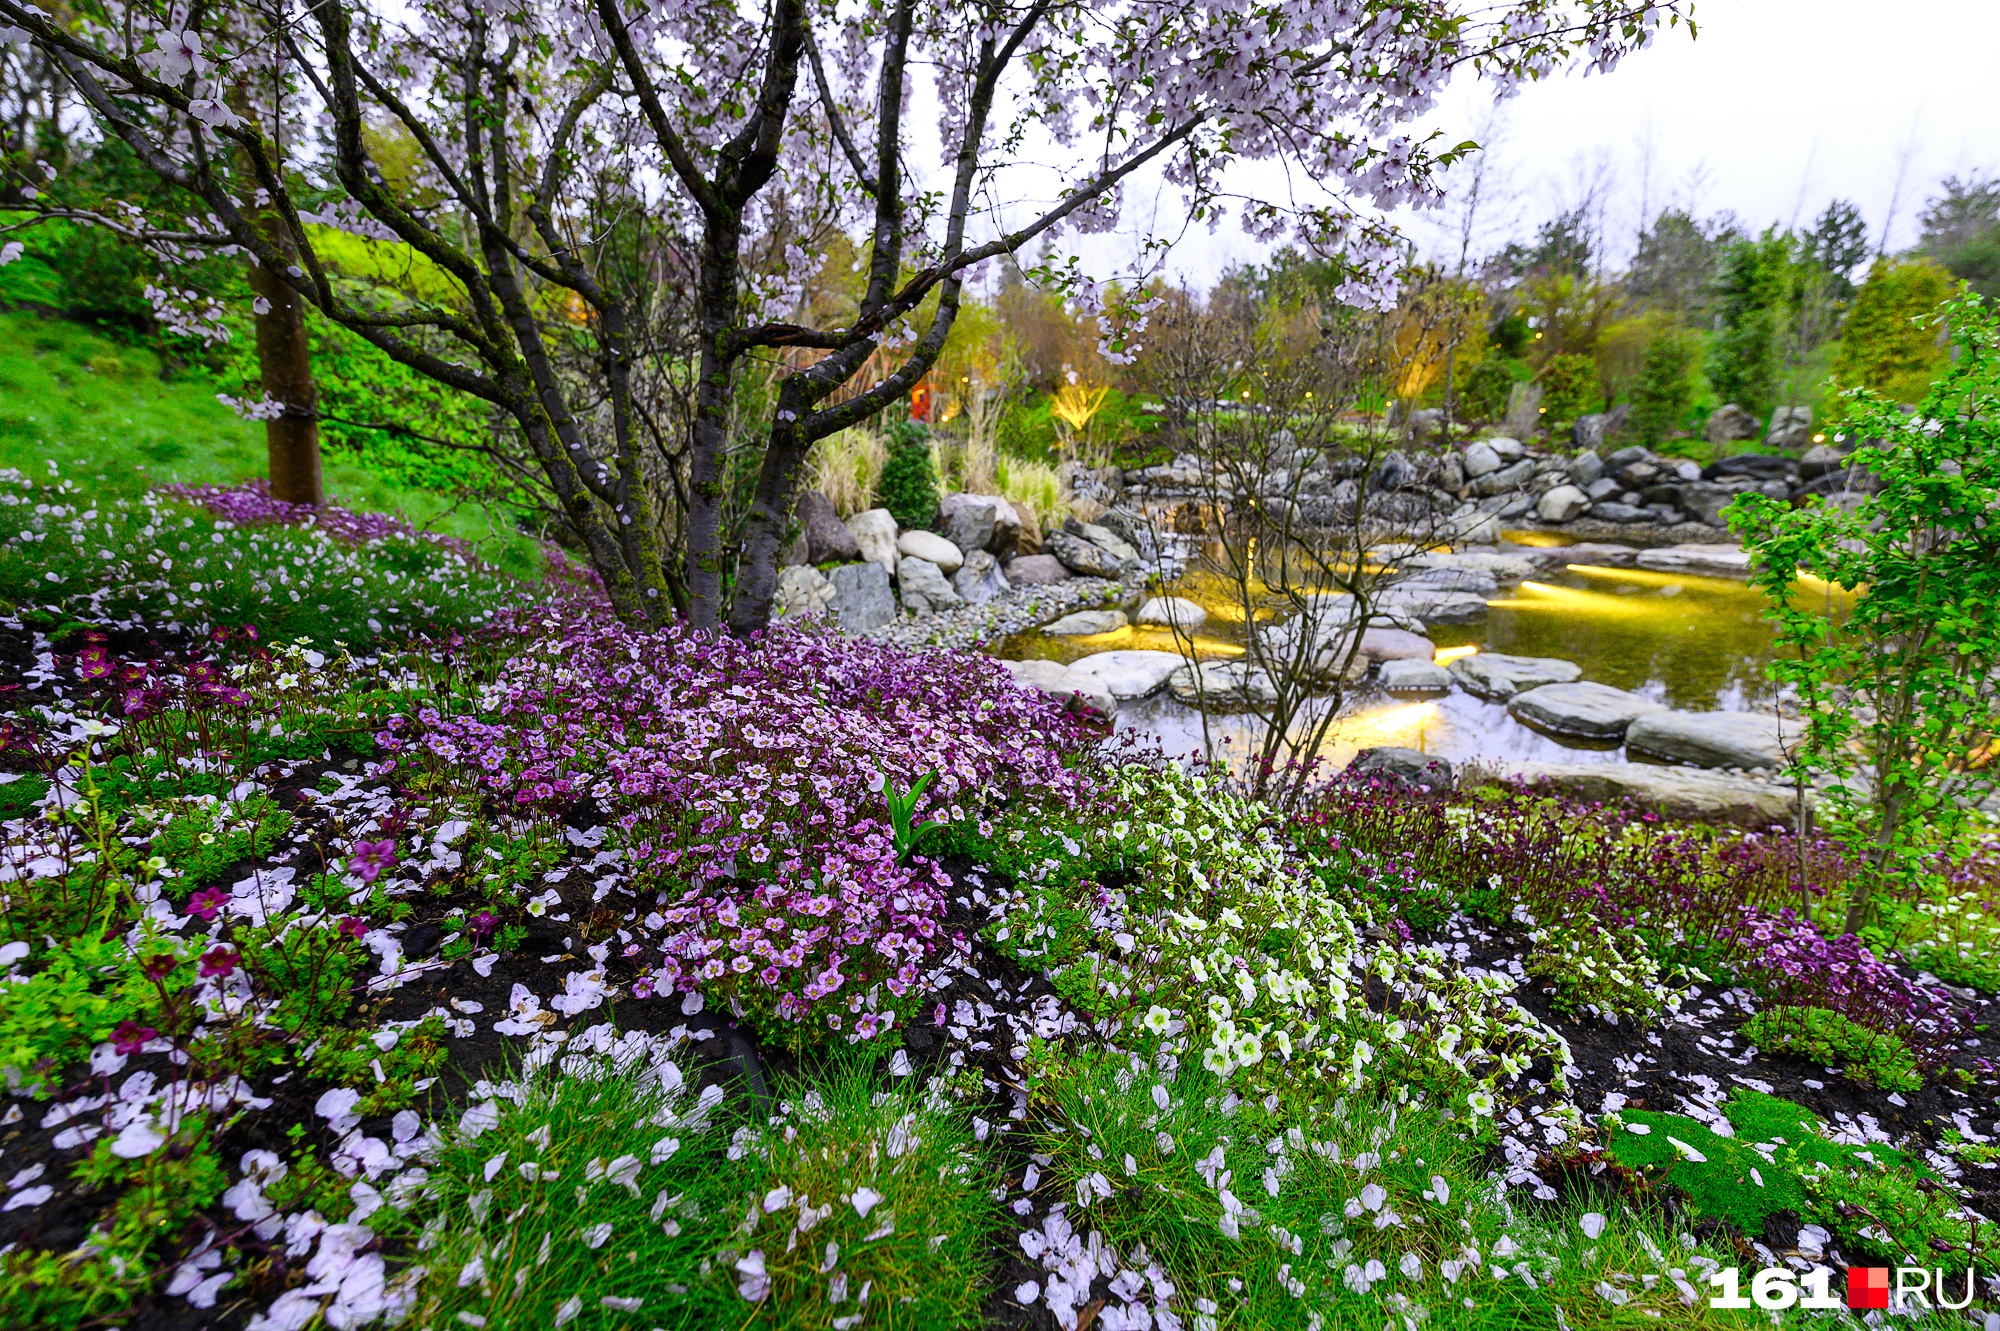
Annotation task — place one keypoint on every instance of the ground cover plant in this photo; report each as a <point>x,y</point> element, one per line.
<point>544,971</point>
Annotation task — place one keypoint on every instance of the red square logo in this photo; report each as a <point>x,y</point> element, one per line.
<point>1868,1287</point>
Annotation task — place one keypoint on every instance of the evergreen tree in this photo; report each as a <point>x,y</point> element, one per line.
<point>1887,342</point>
<point>1664,394</point>
<point>1750,315</point>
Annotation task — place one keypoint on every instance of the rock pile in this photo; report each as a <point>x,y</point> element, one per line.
<point>873,575</point>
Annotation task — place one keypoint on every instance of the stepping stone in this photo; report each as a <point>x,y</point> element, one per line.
<point>1176,611</point>
<point>1695,558</point>
<point>1131,673</point>
<point>1059,681</point>
<point>1396,645</point>
<point>1712,739</point>
<point>1083,623</point>
<point>1586,710</point>
<point>1414,677</point>
<point>1222,684</point>
<point>1498,676</point>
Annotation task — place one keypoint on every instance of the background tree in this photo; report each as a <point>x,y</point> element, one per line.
<point>1961,230</point>
<point>1750,289</point>
<point>1889,343</point>
<point>1664,393</point>
<point>547,128</point>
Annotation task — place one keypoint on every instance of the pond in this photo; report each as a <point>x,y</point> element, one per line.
<point>1689,642</point>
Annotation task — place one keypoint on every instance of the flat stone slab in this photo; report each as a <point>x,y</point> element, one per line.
<point>1075,687</point>
<point>1222,684</point>
<point>1499,676</point>
<point>1429,605</point>
<point>1603,554</point>
<point>1695,558</point>
<point>1713,739</point>
<point>1413,677</point>
<point>1083,623</point>
<point>1396,645</point>
<point>1674,792</point>
<point>1131,672</point>
<point>1586,710</point>
<point>1173,611</point>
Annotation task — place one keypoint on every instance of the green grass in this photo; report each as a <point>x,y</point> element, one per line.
<point>614,1196</point>
<point>103,415</point>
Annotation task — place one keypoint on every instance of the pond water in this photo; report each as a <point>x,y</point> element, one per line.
<point>1689,642</point>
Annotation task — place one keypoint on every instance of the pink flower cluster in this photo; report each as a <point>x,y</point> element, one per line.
<point>1792,962</point>
<point>251,505</point>
<point>748,780</point>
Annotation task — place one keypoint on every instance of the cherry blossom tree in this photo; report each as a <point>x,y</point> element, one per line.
<point>546,163</point>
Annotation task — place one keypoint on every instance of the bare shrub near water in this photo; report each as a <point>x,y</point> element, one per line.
<point>1308,521</point>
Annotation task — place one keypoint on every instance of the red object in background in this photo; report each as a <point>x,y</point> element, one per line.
<point>1868,1287</point>
<point>920,403</point>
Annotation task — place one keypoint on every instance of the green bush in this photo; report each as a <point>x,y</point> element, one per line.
<point>908,486</point>
<point>1483,396</point>
<point>1872,1057</point>
<point>1961,968</point>
<point>1569,386</point>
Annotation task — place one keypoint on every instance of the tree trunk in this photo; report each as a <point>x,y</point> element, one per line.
<point>284,362</point>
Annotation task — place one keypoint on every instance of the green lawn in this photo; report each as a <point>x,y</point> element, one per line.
<point>101,411</point>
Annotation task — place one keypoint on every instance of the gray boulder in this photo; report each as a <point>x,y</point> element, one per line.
<point>1405,769</point>
<point>1625,456</point>
<point>1729,423</point>
<point>1507,478</point>
<point>1791,427</point>
<point>1448,578</point>
<point>1562,504</point>
<point>1604,487</point>
<point>1035,571</point>
<point>979,578</point>
<point>1586,467</point>
<point>828,539</point>
<point>861,597</point>
<point>1394,472</point>
<point>1434,605</point>
<point>1081,556</point>
<point>1611,511</point>
<point>980,522</point>
<point>1584,709</point>
<point>924,588</point>
<point>1712,739</point>
<point>932,549</point>
<point>1509,449</point>
<point>874,535</point>
<point>1479,460</point>
<point>1085,623</point>
<point>1754,466</point>
<point>1820,460</point>
<point>1707,502</point>
<point>1105,537</point>
<point>1413,677</point>
<point>802,590</point>
<point>1499,676</point>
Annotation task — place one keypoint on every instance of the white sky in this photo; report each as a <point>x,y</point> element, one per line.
<point>1777,107</point>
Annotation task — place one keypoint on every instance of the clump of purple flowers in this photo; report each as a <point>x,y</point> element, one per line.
<point>371,859</point>
<point>744,777</point>
<point>251,505</point>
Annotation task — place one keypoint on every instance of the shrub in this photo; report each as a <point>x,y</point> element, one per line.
<point>1569,386</point>
<point>908,484</point>
<point>1889,342</point>
<point>1483,394</point>
<point>1871,1057</point>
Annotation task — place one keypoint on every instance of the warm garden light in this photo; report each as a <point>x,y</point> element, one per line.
<point>1446,654</point>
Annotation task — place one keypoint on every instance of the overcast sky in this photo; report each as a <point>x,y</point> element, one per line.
<point>1777,107</point>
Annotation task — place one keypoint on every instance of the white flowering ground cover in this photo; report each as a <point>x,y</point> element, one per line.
<point>554,975</point>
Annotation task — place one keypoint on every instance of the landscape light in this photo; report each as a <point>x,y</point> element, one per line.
<point>1445,654</point>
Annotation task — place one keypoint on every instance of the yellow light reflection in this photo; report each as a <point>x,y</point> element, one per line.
<point>1646,577</point>
<point>1381,725</point>
<point>1445,654</point>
